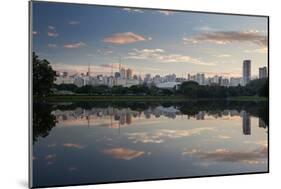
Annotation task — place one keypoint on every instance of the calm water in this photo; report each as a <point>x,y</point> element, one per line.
<point>76,143</point>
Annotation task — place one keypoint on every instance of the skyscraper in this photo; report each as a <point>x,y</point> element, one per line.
<point>246,71</point>
<point>129,73</point>
<point>262,72</point>
<point>200,78</point>
<point>89,70</point>
<point>123,73</point>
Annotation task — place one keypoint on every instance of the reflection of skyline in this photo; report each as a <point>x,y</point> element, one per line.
<point>246,123</point>
<point>117,117</point>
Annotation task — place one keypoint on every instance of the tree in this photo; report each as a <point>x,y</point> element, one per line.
<point>43,76</point>
<point>264,90</point>
<point>43,120</point>
<point>189,89</point>
<point>66,87</point>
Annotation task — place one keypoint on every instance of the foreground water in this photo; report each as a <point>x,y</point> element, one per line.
<point>79,143</point>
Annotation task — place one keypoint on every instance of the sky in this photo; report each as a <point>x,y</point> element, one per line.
<point>73,36</point>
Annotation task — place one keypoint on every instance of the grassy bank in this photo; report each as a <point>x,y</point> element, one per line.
<point>78,98</point>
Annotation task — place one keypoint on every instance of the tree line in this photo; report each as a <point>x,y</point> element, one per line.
<point>191,89</point>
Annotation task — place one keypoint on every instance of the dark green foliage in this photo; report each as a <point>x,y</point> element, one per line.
<point>66,87</point>
<point>43,76</point>
<point>258,87</point>
<point>188,89</point>
<point>94,90</point>
<point>43,120</point>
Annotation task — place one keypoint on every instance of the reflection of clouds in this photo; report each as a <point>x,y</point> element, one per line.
<point>51,145</point>
<point>224,137</point>
<point>160,135</point>
<point>50,157</point>
<point>256,156</point>
<point>71,168</point>
<point>71,145</point>
<point>123,153</point>
<point>259,142</point>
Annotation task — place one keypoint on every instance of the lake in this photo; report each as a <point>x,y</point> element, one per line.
<point>97,142</point>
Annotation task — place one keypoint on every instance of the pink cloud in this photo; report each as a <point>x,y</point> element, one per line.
<point>123,153</point>
<point>167,13</point>
<point>52,34</point>
<point>71,145</point>
<point>74,45</point>
<point>124,38</point>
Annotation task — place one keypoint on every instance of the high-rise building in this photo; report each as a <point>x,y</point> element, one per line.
<point>246,71</point>
<point>89,70</point>
<point>263,72</point>
<point>123,73</point>
<point>147,77</point>
<point>235,81</point>
<point>200,78</point>
<point>117,75</point>
<point>225,82</point>
<point>129,73</point>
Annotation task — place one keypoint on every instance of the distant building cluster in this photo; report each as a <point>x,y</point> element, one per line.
<point>126,78</point>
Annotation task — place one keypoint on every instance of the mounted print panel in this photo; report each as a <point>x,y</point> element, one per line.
<point>124,94</point>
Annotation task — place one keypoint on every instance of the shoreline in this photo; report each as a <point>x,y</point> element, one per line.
<point>124,98</point>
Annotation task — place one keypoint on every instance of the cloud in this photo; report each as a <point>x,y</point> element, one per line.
<point>71,145</point>
<point>123,153</point>
<point>113,65</point>
<point>51,45</point>
<point>161,56</point>
<point>204,28</point>
<point>52,34</point>
<point>263,50</point>
<point>224,137</point>
<point>50,157</point>
<point>74,45</point>
<point>226,37</point>
<point>223,56</point>
<point>51,27</point>
<point>124,38</point>
<point>165,12</point>
<point>34,32</point>
<point>256,156</point>
<point>161,135</point>
<point>133,10</point>
<point>73,22</point>
<point>75,68</point>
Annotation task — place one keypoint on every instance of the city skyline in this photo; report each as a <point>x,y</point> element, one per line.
<point>147,41</point>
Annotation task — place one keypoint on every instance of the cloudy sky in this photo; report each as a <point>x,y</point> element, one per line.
<point>73,36</point>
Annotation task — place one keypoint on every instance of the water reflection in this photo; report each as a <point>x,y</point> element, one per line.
<point>79,142</point>
<point>117,117</point>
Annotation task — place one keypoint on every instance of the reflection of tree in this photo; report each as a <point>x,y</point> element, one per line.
<point>43,120</point>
